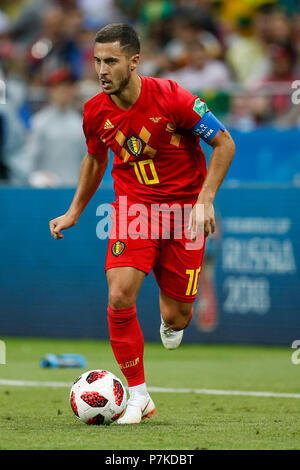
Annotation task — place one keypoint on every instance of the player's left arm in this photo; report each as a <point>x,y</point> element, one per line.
<point>221,158</point>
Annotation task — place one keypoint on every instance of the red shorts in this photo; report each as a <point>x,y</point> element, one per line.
<point>147,243</point>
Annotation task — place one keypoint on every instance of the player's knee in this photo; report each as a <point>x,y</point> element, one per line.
<point>121,296</point>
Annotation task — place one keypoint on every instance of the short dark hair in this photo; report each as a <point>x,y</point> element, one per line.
<point>123,33</point>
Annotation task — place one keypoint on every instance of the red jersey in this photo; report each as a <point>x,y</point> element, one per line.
<point>156,158</point>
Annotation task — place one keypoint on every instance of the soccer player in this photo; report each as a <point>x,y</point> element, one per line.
<point>153,127</point>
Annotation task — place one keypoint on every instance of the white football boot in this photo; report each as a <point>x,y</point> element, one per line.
<point>171,339</point>
<point>139,407</point>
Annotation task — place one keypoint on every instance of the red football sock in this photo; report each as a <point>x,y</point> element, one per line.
<point>127,342</point>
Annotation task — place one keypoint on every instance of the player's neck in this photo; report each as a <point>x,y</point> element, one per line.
<point>130,94</point>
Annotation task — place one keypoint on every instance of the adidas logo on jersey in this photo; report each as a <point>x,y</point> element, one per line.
<point>155,119</point>
<point>108,124</point>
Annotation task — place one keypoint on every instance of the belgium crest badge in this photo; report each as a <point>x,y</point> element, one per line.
<point>118,248</point>
<point>135,145</point>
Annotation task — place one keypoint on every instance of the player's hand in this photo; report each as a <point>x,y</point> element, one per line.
<point>61,223</point>
<point>202,219</point>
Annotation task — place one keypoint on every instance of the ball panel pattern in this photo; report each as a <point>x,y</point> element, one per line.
<point>116,416</point>
<point>118,392</point>
<point>94,399</point>
<point>96,375</point>
<point>73,404</point>
<point>97,420</point>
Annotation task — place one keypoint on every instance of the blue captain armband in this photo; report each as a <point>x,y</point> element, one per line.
<point>207,127</point>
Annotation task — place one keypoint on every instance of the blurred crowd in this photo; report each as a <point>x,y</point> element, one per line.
<point>241,56</point>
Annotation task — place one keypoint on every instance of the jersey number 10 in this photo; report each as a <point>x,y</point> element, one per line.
<point>143,176</point>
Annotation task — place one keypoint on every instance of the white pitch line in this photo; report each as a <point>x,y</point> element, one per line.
<point>200,391</point>
<point>204,391</point>
<point>33,383</point>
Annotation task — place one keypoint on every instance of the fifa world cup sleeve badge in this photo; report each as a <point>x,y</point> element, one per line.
<point>118,248</point>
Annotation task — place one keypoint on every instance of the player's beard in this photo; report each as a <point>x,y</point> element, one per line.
<point>122,85</point>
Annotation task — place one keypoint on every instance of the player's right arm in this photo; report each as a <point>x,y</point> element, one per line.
<point>91,173</point>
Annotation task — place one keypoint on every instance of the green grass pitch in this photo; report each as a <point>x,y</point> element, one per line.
<point>34,417</point>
